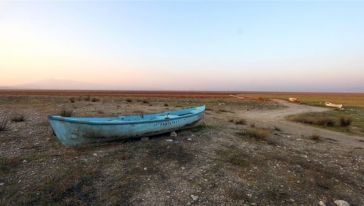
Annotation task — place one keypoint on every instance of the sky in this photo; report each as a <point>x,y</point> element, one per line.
<point>184,45</point>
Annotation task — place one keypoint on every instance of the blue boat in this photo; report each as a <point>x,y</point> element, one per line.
<point>75,131</point>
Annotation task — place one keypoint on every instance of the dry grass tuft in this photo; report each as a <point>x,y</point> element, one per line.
<point>72,99</point>
<point>3,122</point>
<point>129,100</point>
<point>320,121</point>
<point>66,113</point>
<point>277,129</point>
<point>316,137</point>
<point>234,156</point>
<point>223,110</point>
<point>257,133</point>
<point>6,165</point>
<point>73,186</point>
<point>94,99</point>
<point>18,118</point>
<point>241,122</point>
<point>345,121</point>
<point>87,98</point>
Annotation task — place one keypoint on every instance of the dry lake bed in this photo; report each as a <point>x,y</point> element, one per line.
<point>245,152</point>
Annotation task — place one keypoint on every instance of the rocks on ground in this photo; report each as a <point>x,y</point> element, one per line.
<point>173,134</point>
<point>341,203</point>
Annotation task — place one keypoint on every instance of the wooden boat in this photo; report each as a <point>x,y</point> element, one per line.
<point>74,131</point>
<point>337,106</point>
<point>293,99</point>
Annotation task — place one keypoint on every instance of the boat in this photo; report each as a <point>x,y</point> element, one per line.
<point>293,99</point>
<point>337,106</point>
<point>76,131</point>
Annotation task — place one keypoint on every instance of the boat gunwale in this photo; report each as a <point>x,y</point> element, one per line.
<point>65,119</point>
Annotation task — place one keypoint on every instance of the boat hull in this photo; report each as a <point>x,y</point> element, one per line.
<point>73,133</point>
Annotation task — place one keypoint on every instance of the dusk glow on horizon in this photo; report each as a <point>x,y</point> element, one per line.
<point>263,46</point>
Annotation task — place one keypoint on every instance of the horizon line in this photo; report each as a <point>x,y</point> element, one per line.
<point>172,91</point>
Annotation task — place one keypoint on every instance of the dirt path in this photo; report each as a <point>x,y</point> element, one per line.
<point>276,118</point>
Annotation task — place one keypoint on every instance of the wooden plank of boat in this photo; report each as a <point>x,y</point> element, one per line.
<point>75,131</point>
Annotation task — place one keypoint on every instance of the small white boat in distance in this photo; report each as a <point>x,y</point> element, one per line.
<point>293,99</point>
<point>338,106</point>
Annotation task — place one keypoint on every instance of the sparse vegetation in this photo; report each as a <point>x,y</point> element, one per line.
<point>72,99</point>
<point>6,165</point>
<point>315,120</point>
<point>350,120</point>
<point>71,185</point>
<point>100,112</point>
<point>277,129</point>
<point>145,101</point>
<point>94,99</point>
<point>129,100</point>
<point>209,161</point>
<point>3,122</point>
<point>223,110</point>
<point>234,156</point>
<point>17,118</point>
<point>166,105</point>
<point>87,98</point>
<point>241,122</point>
<point>258,133</point>
<point>345,121</point>
<point>66,113</point>
<point>316,137</point>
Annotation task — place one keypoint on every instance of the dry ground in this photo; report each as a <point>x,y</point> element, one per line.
<point>239,156</point>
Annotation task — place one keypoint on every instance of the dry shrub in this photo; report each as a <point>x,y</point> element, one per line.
<point>241,121</point>
<point>100,112</point>
<point>328,122</point>
<point>223,110</point>
<point>262,99</point>
<point>73,185</point>
<point>316,137</point>
<point>258,133</point>
<point>87,98</point>
<point>321,121</point>
<point>18,118</point>
<point>129,100</point>
<point>345,121</point>
<point>166,105</point>
<point>234,156</point>
<point>66,113</point>
<point>145,102</point>
<point>72,99</point>
<point>3,122</point>
<point>6,165</point>
<point>95,99</point>
<point>277,129</point>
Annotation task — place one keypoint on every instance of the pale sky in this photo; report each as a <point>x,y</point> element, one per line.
<point>162,45</point>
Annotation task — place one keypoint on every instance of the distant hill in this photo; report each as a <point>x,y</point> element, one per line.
<point>60,84</point>
<point>54,84</point>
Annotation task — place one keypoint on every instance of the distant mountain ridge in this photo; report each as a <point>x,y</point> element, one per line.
<point>59,84</point>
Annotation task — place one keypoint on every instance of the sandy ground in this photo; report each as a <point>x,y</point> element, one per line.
<point>216,163</point>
